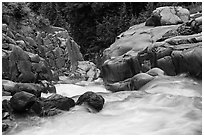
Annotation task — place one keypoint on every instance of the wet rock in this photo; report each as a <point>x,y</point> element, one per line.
<point>120,68</point>
<point>59,102</point>
<point>52,105</point>
<point>93,100</point>
<point>119,86</point>
<point>155,72</point>
<point>22,101</point>
<point>140,80</point>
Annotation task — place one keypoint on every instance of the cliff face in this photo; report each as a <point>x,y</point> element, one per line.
<point>174,48</point>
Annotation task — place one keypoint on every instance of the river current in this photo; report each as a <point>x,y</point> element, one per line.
<point>166,105</point>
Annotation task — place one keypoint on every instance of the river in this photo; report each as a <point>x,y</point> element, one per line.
<point>166,105</point>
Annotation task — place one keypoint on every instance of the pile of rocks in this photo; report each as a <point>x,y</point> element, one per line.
<point>172,47</point>
<point>31,63</point>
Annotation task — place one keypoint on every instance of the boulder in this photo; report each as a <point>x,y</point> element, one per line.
<point>140,80</point>
<point>9,86</point>
<point>166,64</point>
<point>188,61</point>
<point>22,101</point>
<point>155,72</point>
<point>119,86</point>
<point>94,101</point>
<point>52,105</point>
<point>121,68</point>
<point>169,15</point>
<point>35,89</point>
<point>20,66</point>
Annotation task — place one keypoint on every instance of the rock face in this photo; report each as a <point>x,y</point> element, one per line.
<point>168,16</point>
<point>93,100</point>
<point>22,101</point>
<point>142,53</point>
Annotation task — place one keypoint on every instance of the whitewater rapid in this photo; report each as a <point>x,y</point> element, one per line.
<point>166,105</point>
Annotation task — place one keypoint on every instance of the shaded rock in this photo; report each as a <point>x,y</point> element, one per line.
<point>154,20</point>
<point>60,62</point>
<point>20,66</point>
<point>44,71</point>
<point>5,126</point>
<point>22,101</point>
<point>5,65</point>
<point>52,105</point>
<point>121,68</point>
<point>73,53</point>
<point>188,61</point>
<point>93,100</point>
<point>167,65</point>
<point>32,88</point>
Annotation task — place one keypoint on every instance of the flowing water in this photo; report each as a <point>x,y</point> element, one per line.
<point>166,105</point>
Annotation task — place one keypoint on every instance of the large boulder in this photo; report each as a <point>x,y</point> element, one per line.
<point>188,61</point>
<point>20,66</point>
<point>121,68</point>
<point>94,101</point>
<point>135,39</point>
<point>22,101</point>
<point>52,105</point>
<point>169,15</point>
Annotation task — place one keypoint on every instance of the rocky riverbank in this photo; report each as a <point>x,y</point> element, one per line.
<point>158,50</point>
